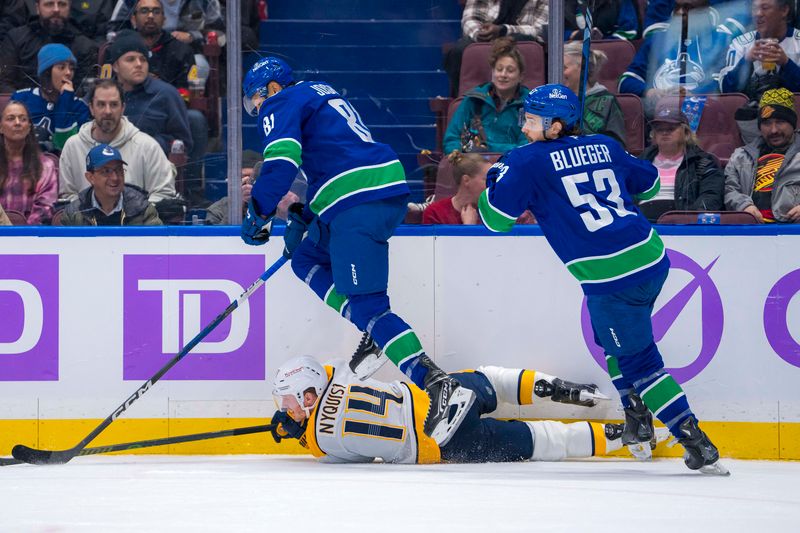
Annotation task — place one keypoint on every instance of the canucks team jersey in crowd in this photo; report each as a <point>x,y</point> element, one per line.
<point>580,189</point>
<point>60,120</point>
<point>358,421</point>
<point>310,125</point>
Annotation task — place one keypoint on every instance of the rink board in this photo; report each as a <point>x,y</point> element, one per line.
<point>88,316</point>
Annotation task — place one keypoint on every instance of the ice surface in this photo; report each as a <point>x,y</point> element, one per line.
<point>295,493</point>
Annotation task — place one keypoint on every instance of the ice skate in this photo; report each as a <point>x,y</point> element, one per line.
<point>700,453</point>
<point>368,358</point>
<point>563,391</point>
<point>450,402</point>
<point>639,434</point>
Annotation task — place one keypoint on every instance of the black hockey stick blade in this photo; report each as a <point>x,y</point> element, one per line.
<point>59,457</point>
<point>7,461</point>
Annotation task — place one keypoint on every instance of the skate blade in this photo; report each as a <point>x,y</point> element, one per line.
<point>593,397</point>
<point>369,365</point>
<point>641,451</point>
<point>462,399</point>
<point>715,469</point>
<point>662,434</point>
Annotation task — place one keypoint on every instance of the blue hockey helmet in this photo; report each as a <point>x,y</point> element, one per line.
<point>260,75</point>
<point>553,101</point>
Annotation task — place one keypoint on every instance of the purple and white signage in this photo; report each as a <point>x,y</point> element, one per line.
<point>169,299</point>
<point>29,323</point>
<point>776,314</point>
<point>710,324</point>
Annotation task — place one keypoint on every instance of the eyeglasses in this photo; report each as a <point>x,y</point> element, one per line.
<point>107,172</point>
<point>155,11</point>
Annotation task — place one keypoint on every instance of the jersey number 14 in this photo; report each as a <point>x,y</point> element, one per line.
<point>597,216</point>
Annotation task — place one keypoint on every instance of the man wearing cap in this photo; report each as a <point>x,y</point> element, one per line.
<point>148,166</point>
<point>55,111</point>
<point>690,178</point>
<point>109,201</point>
<point>20,47</point>
<point>763,177</point>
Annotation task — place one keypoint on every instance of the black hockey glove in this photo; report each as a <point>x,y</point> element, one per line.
<point>296,229</point>
<point>286,427</point>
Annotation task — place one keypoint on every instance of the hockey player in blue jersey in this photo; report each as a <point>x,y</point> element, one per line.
<point>581,189</point>
<point>338,243</point>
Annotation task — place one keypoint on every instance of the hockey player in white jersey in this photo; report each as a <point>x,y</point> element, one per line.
<point>341,418</point>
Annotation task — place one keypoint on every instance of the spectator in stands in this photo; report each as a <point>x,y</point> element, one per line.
<point>611,19</point>
<point>486,20</point>
<point>56,113</point>
<point>28,180</point>
<point>691,179</point>
<point>93,17</point>
<point>656,69</point>
<point>732,16</point>
<point>488,117</point>
<point>156,108</point>
<point>469,175</point>
<point>170,59</point>
<point>19,48</point>
<point>14,13</point>
<point>765,58</point>
<point>148,166</point>
<point>601,113</point>
<point>189,21</point>
<point>109,201</point>
<point>763,177</point>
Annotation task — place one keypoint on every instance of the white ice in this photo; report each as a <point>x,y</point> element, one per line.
<point>294,493</point>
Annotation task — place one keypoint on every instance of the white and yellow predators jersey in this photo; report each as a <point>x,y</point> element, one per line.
<point>358,421</point>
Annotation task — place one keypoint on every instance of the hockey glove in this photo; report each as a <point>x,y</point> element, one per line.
<point>285,427</point>
<point>296,230</point>
<point>255,228</point>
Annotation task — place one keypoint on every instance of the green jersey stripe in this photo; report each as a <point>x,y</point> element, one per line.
<point>403,346</point>
<point>287,148</point>
<point>357,180</point>
<point>494,219</point>
<point>637,257</point>
<point>651,192</point>
<point>335,300</point>
<point>660,394</point>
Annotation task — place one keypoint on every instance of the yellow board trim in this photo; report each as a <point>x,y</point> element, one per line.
<point>764,440</point>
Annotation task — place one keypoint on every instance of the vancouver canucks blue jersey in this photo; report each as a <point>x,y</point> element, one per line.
<point>310,126</point>
<point>581,189</point>
<point>60,120</point>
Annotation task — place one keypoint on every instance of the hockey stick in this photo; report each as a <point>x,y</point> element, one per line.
<point>587,43</point>
<point>683,56</point>
<point>5,461</point>
<point>51,457</point>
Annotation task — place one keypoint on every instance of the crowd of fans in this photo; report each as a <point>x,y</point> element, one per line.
<point>120,74</point>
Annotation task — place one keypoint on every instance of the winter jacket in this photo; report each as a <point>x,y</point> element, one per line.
<point>20,49</point>
<point>616,19</point>
<point>740,176</point>
<point>93,17</point>
<point>54,122</point>
<point>699,181</point>
<point>136,210</point>
<point>171,60</point>
<point>602,114</point>
<point>503,131</point>
<point>156,108</point>
<point>147,165</point>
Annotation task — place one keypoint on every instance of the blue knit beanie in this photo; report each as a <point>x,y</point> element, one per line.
<point>50,54</point>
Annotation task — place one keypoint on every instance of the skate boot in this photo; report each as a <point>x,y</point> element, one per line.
<point>700,453</point>
<point>450,402</point>
<point>368,358</point>
<point>639,434</point>
<point>562,391</point>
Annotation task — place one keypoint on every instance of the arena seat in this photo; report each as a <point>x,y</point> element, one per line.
<point>633,112</point>
<point>620,54</point>
<point>16,218</point>
<point>475,68</point>
<point>696,217</point>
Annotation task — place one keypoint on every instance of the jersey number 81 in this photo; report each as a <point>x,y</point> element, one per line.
<point>353,119</point>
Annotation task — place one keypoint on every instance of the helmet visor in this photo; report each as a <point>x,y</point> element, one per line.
<point>249,107</point>
<point>289,404</point>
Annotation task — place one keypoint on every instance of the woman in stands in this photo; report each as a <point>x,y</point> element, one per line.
<point>469,175</point>
<point>28,180</point>
<point>56,113</point>
<point>601,111</point>
<point>691,179</point>
<point>488,119</point>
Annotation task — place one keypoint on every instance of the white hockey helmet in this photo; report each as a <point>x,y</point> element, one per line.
<point>294,378</point>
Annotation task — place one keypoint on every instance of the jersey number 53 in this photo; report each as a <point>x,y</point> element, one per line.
<point>597,216</point>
